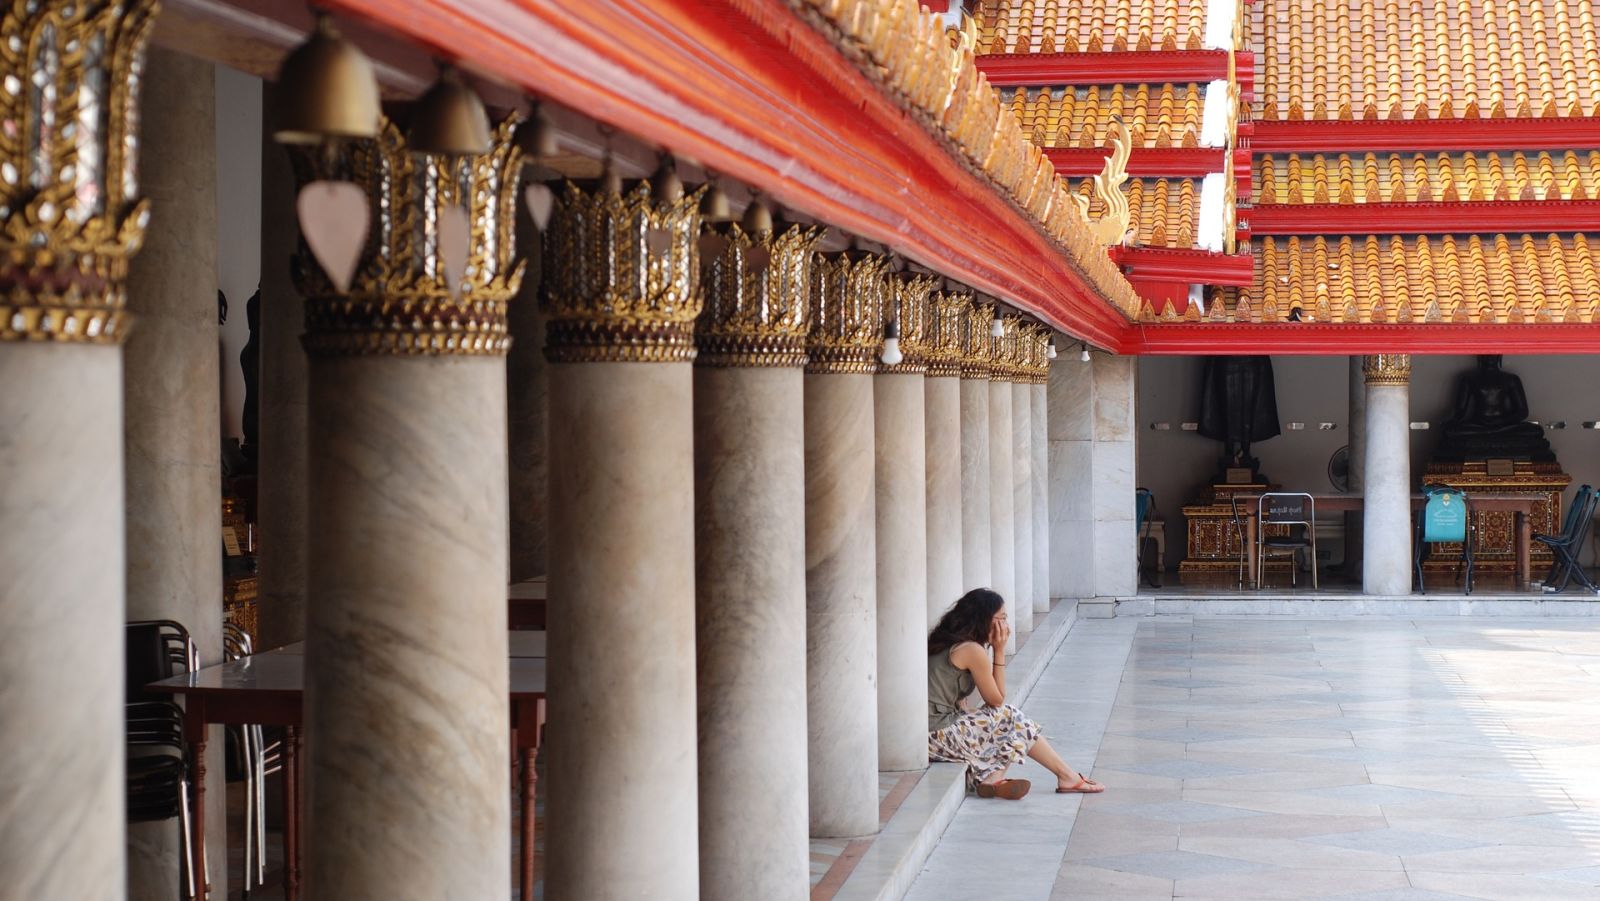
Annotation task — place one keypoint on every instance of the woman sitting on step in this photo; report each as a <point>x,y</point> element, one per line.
<point>990,738</point>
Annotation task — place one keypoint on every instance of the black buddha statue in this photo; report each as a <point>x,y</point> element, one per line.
<point>1491,419</point>
<point>1238,406</point>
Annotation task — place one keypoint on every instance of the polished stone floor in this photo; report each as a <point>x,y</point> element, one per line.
<point>1286,758</point>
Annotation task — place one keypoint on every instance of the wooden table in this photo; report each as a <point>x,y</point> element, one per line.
<point>1519,504</point>
<point>268,689</point>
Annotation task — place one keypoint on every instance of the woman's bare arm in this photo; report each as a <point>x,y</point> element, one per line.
<point>990,677</point>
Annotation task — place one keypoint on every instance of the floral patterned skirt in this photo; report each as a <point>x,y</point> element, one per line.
<point>987,740</point>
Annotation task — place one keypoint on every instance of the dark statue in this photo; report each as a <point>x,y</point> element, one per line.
<point>1491,419</point>
<point>1238,406</point>
<point>250,363</point>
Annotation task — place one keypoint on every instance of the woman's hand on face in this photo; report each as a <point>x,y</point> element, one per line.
<point>999,633</point>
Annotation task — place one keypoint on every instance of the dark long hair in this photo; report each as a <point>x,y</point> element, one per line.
<point>967,620</point>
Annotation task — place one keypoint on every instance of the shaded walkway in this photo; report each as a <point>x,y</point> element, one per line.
<point>1295,758</point>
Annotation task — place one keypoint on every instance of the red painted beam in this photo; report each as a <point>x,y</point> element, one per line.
<point>1412,135</point>
<point>1109,67</point>
<point>1533,216</point>
<point>1152,162</point>
<point>1321,339</point>
<point>1171,264</point>
<point>749,89</point>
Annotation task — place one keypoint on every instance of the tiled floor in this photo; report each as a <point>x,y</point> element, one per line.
<point>1266,758</point>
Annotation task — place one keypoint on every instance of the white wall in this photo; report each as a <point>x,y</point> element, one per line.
<point>1177,465</point>
<point>238,226</point>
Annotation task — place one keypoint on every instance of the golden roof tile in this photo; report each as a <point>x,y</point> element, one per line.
<point>1165,211</point>
<point>1406,178</point>
<point>1089,26</point>
<point>1450,278</point>
<point>1426,59</point>
<point>1156,115</point>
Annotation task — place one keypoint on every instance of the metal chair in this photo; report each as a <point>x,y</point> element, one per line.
<point>1238,534</point>
<point>1569,543</point>
<point>158,771</point>
<point>1445,518</point>
<point>261,759</point>
<point>1298,512</point>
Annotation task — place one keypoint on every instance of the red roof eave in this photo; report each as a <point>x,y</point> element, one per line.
<point>750,90</point>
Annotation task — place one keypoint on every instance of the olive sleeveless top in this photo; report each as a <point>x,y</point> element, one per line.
<point>947,685</point>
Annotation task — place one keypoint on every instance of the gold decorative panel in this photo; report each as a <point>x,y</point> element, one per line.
<point>622,277</point>
<point>945,324</point>
<point>70,214</point>
<point>757,296</point>
<point>910,306</point>
<point>400,301</point>
<point>849,293</point>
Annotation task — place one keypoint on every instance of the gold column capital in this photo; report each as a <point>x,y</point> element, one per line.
<point>757,296</point>
<point>622,277</point>
<point>70,213</point>
<point>400,301</point>
<point>1386,369</point>
<point>945,321</point>
<point>977,347</point>
<point>910,305</point>
<point>1008,351</point>
<point>849,293</point>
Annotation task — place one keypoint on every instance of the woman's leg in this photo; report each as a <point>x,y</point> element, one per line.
<point>1066,776</point>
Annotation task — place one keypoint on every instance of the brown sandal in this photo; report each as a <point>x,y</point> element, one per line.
<point>1009,789</point>
<point>1085,786</point>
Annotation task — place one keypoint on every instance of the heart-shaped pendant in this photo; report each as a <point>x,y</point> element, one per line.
<point>334,218</point>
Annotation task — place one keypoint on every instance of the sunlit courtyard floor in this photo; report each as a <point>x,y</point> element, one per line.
<point>1266,758</point>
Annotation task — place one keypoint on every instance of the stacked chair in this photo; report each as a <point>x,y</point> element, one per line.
<point>158,767</point>
<point>1568,545</point>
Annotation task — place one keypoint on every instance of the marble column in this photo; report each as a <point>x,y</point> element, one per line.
<point>172,394</point>
<point>1022,494</point>
<point>1040,471</point>
<point>849,292</point>
<point>282,468</point>
<point>1091,458</point>
<point>1357,463</point>
<point>62,571</point>
<point>942,403</point>
<point>750,612</point>
<point>1002,505</point>
<point>621,750</point>
<point>977,552</point>
<point>901,504</point>
<point>406,720</point>
<point>1386,534</point>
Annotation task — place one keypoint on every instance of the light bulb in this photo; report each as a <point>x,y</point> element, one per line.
<point>1050,350</point>
<point>1084,357</point>
<point>891,355</point>
<point>997,329</point>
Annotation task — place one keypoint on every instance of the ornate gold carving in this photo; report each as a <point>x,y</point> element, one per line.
<point>757,296</point>
<point>400,302</point>
<point>1009,351</point>
<point>1112,227</point>
<point>911,305</point>
<point>623,277</point>
<point>977,347</point>
<point>945,321</point>
<point>1386,369</point>
<point>1034,368</point>
<point>70,217</point>
<point>849,292</point>
<point>908,53</point>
